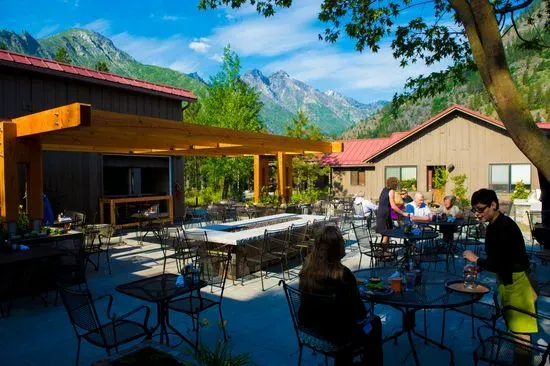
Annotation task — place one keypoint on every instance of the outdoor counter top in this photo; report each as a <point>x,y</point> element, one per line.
<point>225,233</point>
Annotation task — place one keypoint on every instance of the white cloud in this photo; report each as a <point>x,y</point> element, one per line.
<point>99,25</point>
<point>200,46</point>
<point>184,66</point>
<point>350,70</point>
<point>289,30</point>
<point>171,18</point>
<point>47,30</point>
<point>216,57</point>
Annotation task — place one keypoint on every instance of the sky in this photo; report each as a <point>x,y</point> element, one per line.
<point>177,35</point>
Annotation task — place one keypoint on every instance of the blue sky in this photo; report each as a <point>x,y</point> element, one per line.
<point>176,34</point>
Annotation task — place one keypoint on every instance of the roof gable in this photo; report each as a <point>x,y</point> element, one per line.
<point>45,65</point>
<point>361,151</point>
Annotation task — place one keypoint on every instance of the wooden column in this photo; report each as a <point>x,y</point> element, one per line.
<point>261,175</point>
<point>9,188</point>
<point>284,182</point>
<point>30,153</point>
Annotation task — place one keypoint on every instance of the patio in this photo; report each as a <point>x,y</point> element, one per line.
<point>258,322</point>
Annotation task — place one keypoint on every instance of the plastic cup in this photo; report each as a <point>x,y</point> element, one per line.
<point>409,280</point>
<point>396,284</point>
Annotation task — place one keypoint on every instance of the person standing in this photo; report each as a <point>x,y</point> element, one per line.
<point>385,202</point>
<point>506,256</point>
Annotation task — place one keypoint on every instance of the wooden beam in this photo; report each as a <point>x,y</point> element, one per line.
<point>35,177</point>
<point>284,175</point>
<point>261,175</point>
<point>54,119</point>
<point>9,188</point>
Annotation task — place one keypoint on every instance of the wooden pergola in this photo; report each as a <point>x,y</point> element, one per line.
<point>79,128</point>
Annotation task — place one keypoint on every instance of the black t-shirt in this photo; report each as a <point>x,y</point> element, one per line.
<point>505,249</point>
<point>335,319</point>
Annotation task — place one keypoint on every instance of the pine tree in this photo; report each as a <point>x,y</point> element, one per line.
<point>61,55</point>
<point>101,66</point>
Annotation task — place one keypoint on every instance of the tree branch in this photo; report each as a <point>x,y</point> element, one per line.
<point>510,9</point>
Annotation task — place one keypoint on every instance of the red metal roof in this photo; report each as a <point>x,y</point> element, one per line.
<point>45,64</point>
<point>360,151</point>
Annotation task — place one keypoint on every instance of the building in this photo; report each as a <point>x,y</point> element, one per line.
<point>459,139</point>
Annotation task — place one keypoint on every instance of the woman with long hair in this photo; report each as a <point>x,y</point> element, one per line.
<point>386,203</point>
<point>343,320</point>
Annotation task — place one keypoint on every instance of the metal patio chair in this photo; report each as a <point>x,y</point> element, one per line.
<point>81,309</point>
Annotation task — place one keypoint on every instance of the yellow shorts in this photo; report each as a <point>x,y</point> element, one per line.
<point>519,294</point>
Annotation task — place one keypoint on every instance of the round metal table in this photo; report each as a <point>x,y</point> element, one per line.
<point>430,294</point>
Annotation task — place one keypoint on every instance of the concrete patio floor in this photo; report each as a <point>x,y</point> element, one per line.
<point>258,323</point>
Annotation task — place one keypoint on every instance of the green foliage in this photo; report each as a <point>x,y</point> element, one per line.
<point>460,190</point>
<point>440,178</point>
<point>221,356</point>
<point>310,195</point>
<point>61,55</point>
<point>268,200</point>
<point>23,224</point>
<point>301,127</point>
<point>232,104</point>
<point>101,66</point>
<point>520,192</point>
<point>409,184</point>
<point>3,46</point>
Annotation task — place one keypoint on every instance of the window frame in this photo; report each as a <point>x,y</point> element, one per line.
<point>511,186</point>
<point>400,171</point>
<point>357,173</point>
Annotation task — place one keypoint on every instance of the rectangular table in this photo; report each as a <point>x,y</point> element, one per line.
<point>160,289</point>
<point>237,233</point>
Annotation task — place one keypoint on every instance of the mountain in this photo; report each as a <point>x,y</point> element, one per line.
<point>283,96</point>
<point>530,69</point>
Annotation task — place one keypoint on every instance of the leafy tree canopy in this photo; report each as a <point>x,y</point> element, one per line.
<point>301,127</point>
<point>61,55</point>
<point>101,66</point>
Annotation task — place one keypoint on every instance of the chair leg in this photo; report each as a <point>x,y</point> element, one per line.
<point>360,258</point>
<point>262,278</point>
<point>108,261</point>
<point>222,323</point>
<point>77,351</point>
<point>300,355</point>
<point>164,265</point>
<point>443,326</point>
<point>197,336</point>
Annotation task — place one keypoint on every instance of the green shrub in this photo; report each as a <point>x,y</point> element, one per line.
<point>520,192</point>
<point>460,190</point>
<point>409,184</point>
<point>440,178</point>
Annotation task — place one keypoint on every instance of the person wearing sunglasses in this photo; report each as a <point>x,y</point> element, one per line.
<point>506,256</point>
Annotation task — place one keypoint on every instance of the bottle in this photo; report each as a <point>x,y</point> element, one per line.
<point>411,265</point>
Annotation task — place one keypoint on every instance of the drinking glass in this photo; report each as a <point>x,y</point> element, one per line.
<point>470,275</point>
<point>409,278</point>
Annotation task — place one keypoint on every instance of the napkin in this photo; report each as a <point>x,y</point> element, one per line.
<point>416,231</point>
<point>450,219</point>
<point>23,247</point>
<point>394,275</point>
<point>180,281</point>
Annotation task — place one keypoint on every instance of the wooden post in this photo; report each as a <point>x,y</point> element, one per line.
<point>112,212</point>
<point>284,182</point>
<point>261,175</point>
<point>171,210</point>
<point>9,187</point>
<point>30,153</point>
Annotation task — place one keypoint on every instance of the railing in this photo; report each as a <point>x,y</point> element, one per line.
<point>136,202</point>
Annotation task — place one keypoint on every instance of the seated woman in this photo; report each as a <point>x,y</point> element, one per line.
<point>341,320</point>
<point>449,208</point>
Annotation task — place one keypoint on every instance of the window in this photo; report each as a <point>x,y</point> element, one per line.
<point>503,177</point>
<point>357,178</point>
<point>405,174</point>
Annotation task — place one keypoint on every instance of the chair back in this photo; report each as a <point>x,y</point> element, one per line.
<point>275,240</point>
<point>214,267</point>
<point>81,310</point>
<point>298,234</point>
<point>305,335</point>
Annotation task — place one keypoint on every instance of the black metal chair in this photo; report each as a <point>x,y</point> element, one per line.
<point>80,307</point>
<point>483,311</point>
<point>371,248</point>
<point>470,235</point>
<point>97,243</point>
<point>214,267</point>
<point>307,337</point>
<point>298,239</point>
<point>499,347</point>
<point>266,252</point>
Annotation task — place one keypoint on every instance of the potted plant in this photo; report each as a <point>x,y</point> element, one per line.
<point>439,181</point>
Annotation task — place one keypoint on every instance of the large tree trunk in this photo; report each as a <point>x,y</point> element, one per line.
<point>478,18</point>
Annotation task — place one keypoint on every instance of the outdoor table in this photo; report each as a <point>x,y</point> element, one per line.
<point>410,239</point>
<point>160,289</point>
<point>430,294</point>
